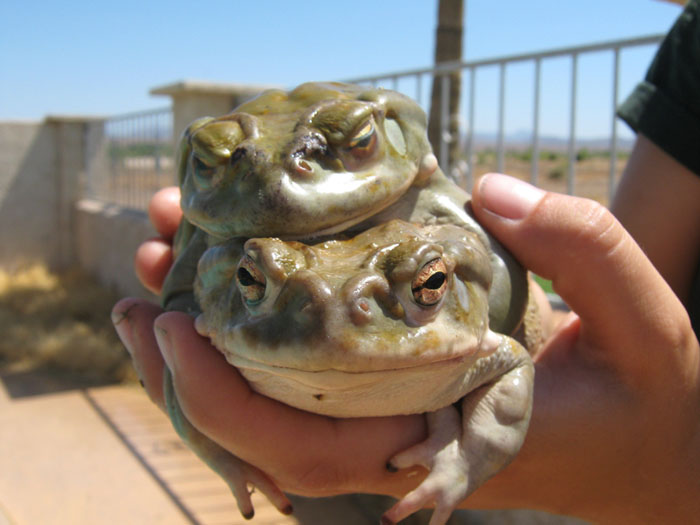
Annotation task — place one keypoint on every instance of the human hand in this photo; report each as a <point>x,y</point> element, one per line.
<point>319,456</point>
<point>614,432</point>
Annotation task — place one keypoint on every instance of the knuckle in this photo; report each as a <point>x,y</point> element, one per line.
<point>584,230</point>
<point>598,229</point>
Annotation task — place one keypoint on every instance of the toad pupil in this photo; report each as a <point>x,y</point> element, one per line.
<point>245,278</point>
<point>435,281</point>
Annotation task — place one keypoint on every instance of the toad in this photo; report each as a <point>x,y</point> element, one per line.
<point>328,257</point>
<point>321,159</point>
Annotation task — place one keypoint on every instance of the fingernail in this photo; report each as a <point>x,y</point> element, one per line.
<point>120,320</point>
<point>508,197</point>
<point>163,339</point>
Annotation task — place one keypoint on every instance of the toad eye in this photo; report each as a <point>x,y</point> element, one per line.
<point>212,146</point>
<point>364,142</point>
<point>430,283</point>
<point>251,281</point>
<point>204,174</point>
<point>201,166</point>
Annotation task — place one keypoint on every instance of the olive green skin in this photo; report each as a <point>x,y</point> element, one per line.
<point>283,165</point>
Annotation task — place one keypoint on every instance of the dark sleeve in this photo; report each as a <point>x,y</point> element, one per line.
<point>665,107</point>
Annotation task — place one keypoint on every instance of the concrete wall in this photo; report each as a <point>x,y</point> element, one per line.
<point>106,237</point>
<point>28,194</point>
<point>42,216</point>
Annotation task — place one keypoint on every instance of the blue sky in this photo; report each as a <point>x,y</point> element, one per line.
<point>101,58</point>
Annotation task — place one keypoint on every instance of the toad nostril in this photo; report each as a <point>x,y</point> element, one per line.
<point>359,292</point>
<point>302,167</point>
<point>310,296</point>
<point>360,312</point>
<point>238,154</point>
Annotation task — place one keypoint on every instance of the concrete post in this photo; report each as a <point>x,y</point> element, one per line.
<point>76,141</point>
<point>194,99</point>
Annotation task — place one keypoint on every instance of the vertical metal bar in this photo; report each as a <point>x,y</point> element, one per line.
<point>395,83</point>
<point>123,189</point>
<point>501,117</point>
<point>470,129</point>
<point>140,174</point>
<point>135,163</point>
<point>613,135</point>
<point>149,172</point>
<point>114,143</point>
<point>85,181</point>
<point>136,175</point>
<point>419,88</point>
<point>123,176</point>
<point>570,185</point>
<point>156,139</point>
<point>444,115</point>
<point>534,162</point>
<point>169,145</point>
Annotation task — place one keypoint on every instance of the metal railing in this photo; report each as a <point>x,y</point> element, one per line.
<point>393,80</point>
<point>130,157</point>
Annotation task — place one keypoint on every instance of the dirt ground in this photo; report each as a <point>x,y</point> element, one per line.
<point>58,325</point>
<point>591,175</point>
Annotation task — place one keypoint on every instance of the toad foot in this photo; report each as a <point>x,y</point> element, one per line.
<point>441,453</point>
<point>463,451</point>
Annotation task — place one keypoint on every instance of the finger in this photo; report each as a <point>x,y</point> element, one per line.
<point>152,261</point>
<point>323,453</point>
<point>164,211</point>
<point>133,320</point>
<point>593,263</point>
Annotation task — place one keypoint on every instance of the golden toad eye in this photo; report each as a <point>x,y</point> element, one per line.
<point>364,142</point>
<point>430,283</point>
<point>251,281</point>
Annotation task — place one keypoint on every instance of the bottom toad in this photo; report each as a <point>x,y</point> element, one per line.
<point>391,321</point>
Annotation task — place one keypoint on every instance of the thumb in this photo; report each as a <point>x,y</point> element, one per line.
<point>593,263</point>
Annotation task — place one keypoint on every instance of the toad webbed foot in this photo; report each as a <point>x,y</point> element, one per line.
<point>464,450</point>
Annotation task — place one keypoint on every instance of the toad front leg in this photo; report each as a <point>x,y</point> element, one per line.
<point>463,451</point>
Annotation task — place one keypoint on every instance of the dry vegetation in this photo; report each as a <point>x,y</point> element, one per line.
<point>59,322</point>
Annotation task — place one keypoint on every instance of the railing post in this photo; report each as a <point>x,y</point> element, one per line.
<point>501,117</point>
<point>534,162</point>
<point>613,137</point>
<point>419,88</point>
<point>444,123</point>
<point>470,127</point>
<point>570,184</point>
